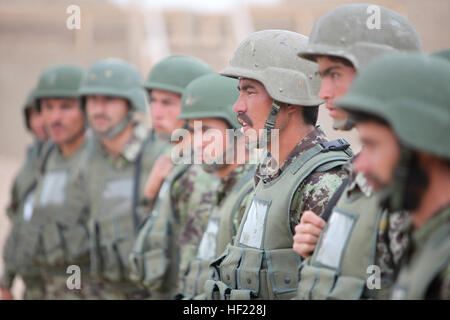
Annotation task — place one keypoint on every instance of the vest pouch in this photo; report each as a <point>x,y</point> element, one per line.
<point>111,265</point>
<point>308,276</point>
<point>347,288</point>
<point>282,273</point>
<point>76,239</point>
<point>116,237</point>
<point>155,266</point>
<point>203,276</point>
<point>249,271</point>
<point>136,261</point>
<point>216,290</point>
<point>53,245</point>
<point>190,278</point>
<point>229,266</point>
<point>141,244</point>
<point>95,250</point>
<point>325,280</point>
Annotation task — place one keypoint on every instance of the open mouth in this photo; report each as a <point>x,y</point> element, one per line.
<point>246,124</point>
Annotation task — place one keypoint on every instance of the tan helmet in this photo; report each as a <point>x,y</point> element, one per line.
<point>270,57</point>
<point>347,32</point>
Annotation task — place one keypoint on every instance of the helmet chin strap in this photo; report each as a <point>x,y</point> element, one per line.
<point>343,124</point>
<point>118,128</point>
<point>393,196</point>
<point>270,124</point>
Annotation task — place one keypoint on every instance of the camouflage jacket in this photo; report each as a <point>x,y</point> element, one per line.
<point>316,190</point>
<point>193,196</point>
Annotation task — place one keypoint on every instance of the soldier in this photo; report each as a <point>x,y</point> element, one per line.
<point>209,100</point>
<point>165,85</point>
<point>121,157</point>
<point>59,219</point>
<point>341,51</point>
<point>20,210</point>
<point>400,106</point>
<point>186,192</point>
<point>275,85</point>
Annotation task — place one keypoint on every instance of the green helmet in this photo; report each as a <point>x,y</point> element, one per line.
<point>29,104</point>
<point>117,78</point>
<point>270,57</point>
<point>344,32</point>
<point>445,54</point>
<point>174,73</point>
<point>59,81</point>
<point>210,96</point>
<point>412,93</point>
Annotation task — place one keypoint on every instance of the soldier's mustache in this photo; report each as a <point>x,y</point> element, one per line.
<point>101,117</point>
<point>56,125</point>
<point>244,118</point>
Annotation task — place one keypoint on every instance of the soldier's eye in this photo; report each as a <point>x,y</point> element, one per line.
<point>335,75</point>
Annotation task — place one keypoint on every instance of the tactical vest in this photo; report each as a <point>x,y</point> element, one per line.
<point>59,214</point>
<point>426,264</point>
<point>260,264</point>
<point>20,213</point>
<point>217,236</point>
<point>114,196</point>
<point>154,257</point>
<point>346,248</point>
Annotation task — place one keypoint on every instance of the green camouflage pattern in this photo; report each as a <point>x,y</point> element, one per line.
<point>194,195</point>
<point>317,189</point>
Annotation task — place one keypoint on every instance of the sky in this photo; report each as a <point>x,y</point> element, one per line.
<point>195,5</point>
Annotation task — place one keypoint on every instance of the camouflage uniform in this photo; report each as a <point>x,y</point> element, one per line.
<point>14,253</point>
<point>420,127</point>
<point>183,205</point>
<point>193,197</point>
<point>313,193</point>
<point>316,190</point>
<point>102,176</point>
<point>191,274</point>
<point>61,218</point>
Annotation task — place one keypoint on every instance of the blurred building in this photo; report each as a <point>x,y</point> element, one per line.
<point>33,35</point>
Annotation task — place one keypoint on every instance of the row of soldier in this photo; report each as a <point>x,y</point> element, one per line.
<point>104,194</point>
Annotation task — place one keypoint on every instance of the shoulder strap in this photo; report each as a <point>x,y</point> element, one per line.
<point>334,199</point>
<point>47,153</point>
<point>332,154</point>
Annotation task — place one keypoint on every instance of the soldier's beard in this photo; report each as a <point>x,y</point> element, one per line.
<point>412,187</point>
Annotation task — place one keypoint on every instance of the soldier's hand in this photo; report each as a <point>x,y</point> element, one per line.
<point>307,233</point>
<point>160,170</point>
<point>5,294</point>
